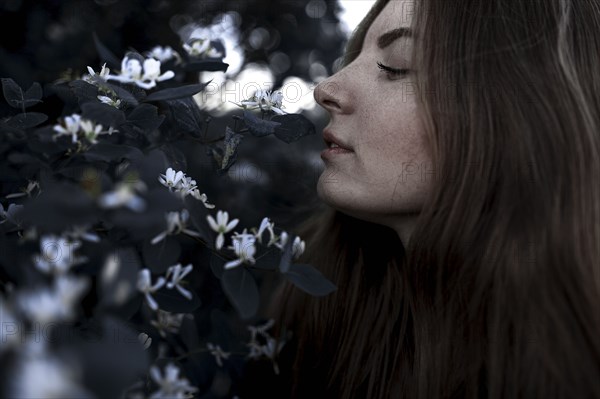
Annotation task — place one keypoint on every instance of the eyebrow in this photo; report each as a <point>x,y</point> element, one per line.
<point>388,38</point>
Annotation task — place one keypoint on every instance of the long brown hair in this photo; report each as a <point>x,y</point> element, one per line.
<point>498,293</point>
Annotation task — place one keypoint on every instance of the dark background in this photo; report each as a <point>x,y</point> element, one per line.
<point>54,39</point>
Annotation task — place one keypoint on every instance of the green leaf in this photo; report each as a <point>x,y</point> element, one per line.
<point>309,279</point>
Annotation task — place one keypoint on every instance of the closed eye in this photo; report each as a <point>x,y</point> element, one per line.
<point>393,73</point>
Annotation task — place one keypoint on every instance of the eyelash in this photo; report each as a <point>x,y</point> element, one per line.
<point>392,71</point>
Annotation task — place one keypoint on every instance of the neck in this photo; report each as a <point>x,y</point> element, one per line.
<point>404,226</point>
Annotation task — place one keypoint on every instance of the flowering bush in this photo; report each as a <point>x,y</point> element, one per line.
<point>99,294</point>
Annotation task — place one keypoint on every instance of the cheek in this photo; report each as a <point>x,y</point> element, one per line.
<point>396,139</point>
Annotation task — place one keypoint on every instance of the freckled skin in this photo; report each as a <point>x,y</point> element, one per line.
<point>384,180</point>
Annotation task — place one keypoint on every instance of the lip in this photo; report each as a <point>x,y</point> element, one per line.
<point>329,137</point>
<point>331,152</point>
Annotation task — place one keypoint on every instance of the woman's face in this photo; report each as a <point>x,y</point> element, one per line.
<point>374,113</point>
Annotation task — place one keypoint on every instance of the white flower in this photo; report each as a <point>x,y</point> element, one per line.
<point>144,285</point>
<point>77,127</point>
<point>91,131</point>
<point>55,304</point>
<point>144,76</point>
<point>145,340</point>
<point>171,178</point>
<point>243,245</point>
<point>260,329</point>
<point>298,247</point>
<point>270,350</point>
<point>202,197</point>
<point>218,353</point>
<point>265,100</point>
<point>264,224</point>
<point>201,47</point>
<point>197,47</point>
<point>178,182</point>
<point>104,72</point>
<point>26,191</point>
<point>124,194</point>
<point>221,226</point>
<point>282,240</point>
<point>57,255</point>
<point>110,101</point>
<point>70,128</point>
<point>167,322</point>
<point>186,186</point>
<point>176,223</point>
<point>81,232</point>
<point>171,386</point>
<point>177,273</point>
<point>163,54</point>
<point>214,53</point>
<point>11,213</point>
<point>40,375</point>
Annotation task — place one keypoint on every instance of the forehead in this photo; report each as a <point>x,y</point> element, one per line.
<point>395,14</point>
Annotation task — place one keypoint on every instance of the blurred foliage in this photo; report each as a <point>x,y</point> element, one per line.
<point>56,35</point>
<point>271,178</point>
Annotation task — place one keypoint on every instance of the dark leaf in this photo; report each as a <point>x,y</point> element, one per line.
<point>84,91</point>
<point>109,352</point>
<point>27,120</point>
<point>259,127</point>
<point>158,257</point>
<point>286,256</point>
<point>105,54</point>
<point>16,98</point>
<point>198,213</point>
<point>103,114</point>
<point>12,93</point>
<point>216,155</point>
<point>185,115</point>
<point>241,290</point>
<point>292,127</point>
<point>270,259</point>
<point>149,167</point>
<point>176,92</point>
<point>216,265</point>
<point>208,66</point>
<point>232,140</point>
<point>34,93</point>
<point>11,133</point>
<point>124,95</point>
<point>108,152</point>
<point>59,206</point>
<point>145,116</point>
<point>171,300</point>
<point>309,279</point>
<point>175,157</point>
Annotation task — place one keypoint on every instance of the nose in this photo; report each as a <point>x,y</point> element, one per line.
<point>332,95</point>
